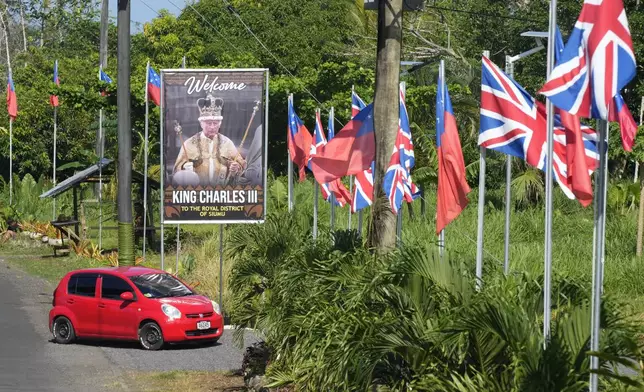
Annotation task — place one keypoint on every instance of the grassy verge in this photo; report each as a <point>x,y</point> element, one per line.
<point>189,381</point>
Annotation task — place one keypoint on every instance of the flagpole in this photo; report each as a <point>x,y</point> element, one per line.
<point>547,275</point>
<point>332,196</point>
<point>509,69</point>
<point>290,169</point>
<point>481,210</point>
<point>10,161</point>
<point>100,181</point>
<point>399,220</point>
<point>315,210</point>
<point>637,163</point>
<point>360,216</point>
<point>315,186</point>
<point>351,193</point>
<point>145,159</point>
<point>54,173</point>
<point>441,76</point>
<point>598,249</point>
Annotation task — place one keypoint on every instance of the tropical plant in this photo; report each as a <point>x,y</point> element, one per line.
<point>351,320</point>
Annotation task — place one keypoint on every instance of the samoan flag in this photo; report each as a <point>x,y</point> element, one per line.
<point>53,99</point>
<point>350,152</point>
<point>299,140</point>
<point>340,193</point>
<point>397,183</point>
<point>103,77</point>
<point>154,86</point>
<point>597,62</point>
<point>12,100</point>
<point>363,185</point>
<point>452,182</point>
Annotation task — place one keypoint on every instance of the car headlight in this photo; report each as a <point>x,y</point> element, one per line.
<point>216,307</point>
<point>171,311</point>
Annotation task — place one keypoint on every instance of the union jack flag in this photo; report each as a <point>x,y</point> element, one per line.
<point>363,190</point>
<point>357,104</point>
<point>397,183</point>
<point>514,124</point>
<point>596,63</point>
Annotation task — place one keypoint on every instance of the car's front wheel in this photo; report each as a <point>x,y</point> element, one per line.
<point>150,336</point>
<point>63,330</point>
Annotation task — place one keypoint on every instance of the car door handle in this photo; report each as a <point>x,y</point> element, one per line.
<point>70,301</point>
<point>101,305</point>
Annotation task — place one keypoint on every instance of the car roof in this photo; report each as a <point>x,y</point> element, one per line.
<point>127,271</point>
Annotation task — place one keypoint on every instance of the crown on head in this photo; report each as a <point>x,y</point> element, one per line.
<point>210,108</point>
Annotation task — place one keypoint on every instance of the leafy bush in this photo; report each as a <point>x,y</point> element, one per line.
<point>347,319</point>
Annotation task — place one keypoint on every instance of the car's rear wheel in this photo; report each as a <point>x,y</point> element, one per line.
<point>63,330</point>
<point>150,336</point>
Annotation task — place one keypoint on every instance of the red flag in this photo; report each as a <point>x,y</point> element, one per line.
<point>350,152</point>
<point>299,140</point>
<point>12,101</point>
<point>619,112</point>
<point>577,167</point>
<point>53,99</point>
<point>341,193</point>
<point>452,184</point>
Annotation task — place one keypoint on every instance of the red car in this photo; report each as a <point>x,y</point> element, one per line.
<point>132,303</point>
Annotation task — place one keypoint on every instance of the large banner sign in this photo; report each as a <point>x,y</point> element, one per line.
<point>213,147</point>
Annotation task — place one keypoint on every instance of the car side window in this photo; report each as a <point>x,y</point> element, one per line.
<point>113,287</point>
<point>82,284</point>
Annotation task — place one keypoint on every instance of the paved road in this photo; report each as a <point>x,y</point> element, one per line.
<point>30,361</point>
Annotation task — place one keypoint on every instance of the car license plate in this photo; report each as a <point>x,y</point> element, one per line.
<point>203,325</point>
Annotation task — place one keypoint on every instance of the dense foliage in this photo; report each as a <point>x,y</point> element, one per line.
<point>315,59</point>
<point>337,317</point>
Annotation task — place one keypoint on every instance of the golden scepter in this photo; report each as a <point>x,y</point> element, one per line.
<point>179,131</point>
<point>252,116</point>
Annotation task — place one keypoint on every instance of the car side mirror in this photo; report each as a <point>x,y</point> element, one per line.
<point>127,296</point>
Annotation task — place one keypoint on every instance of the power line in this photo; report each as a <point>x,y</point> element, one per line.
<point>477,13</point>
<point>233,11</point>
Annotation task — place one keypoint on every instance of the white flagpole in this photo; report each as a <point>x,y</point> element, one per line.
<point>509,69</point>
<point>637,163</point>
<point>290,168</point>
<point>54,171</point>
<point>332,196</point>
<point>145,159</point>
<point>360,215</point>
<point>441,73</point>
<point>100,181</point>
<point>10,161</point>
<point>598,249</point>
<point>100,172</point>
<point>315,191</point>
<point>547,275</point>
<point>351,193</point>
<point>481,210</point>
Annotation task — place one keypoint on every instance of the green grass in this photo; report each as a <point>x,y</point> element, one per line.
<point>571,247</point>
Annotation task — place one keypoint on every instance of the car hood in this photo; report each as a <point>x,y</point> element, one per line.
<point>189,304</point>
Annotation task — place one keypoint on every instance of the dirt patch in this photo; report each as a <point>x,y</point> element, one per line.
<point>189,381</point>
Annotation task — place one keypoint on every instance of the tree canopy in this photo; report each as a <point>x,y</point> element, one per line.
<point>316,49</point>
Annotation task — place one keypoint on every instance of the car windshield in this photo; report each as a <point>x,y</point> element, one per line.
<point>160,286</point>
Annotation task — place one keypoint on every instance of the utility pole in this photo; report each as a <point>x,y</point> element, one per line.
<point>124,195</point>
<point>100,139</point>
<point>382,233</point>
